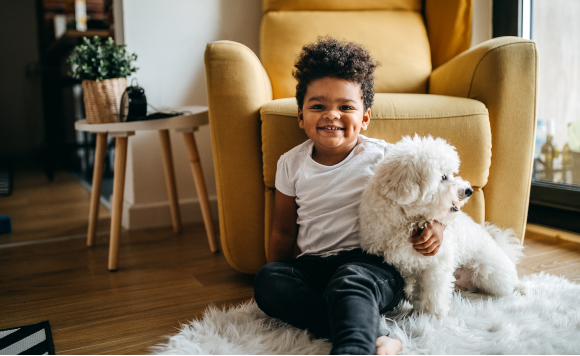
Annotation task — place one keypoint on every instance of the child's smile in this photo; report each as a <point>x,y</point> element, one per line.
<point>332,116</point>
<point>331,129</point>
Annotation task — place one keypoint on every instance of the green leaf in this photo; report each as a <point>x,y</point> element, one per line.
<point>99,60</point>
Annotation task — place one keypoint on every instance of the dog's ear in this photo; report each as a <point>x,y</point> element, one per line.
<point>397,181</point>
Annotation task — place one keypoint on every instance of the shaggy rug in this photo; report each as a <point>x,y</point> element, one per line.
<point>544,321</point>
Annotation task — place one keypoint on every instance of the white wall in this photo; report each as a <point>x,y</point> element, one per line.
<point>481,28</point>
<point>169,38</point>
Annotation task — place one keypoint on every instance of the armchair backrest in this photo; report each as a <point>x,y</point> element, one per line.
<point>408,37</point>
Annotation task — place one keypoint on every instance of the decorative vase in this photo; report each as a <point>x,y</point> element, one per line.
<point>103,99</point>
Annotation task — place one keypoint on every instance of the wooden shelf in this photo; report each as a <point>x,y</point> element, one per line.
<point>70,39</point>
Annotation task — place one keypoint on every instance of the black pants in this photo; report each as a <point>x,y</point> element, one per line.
<point>338,297</point>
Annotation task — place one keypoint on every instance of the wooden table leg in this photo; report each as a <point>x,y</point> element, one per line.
<point>170,180</point>
<point>117,206</point>
<point>201,189</point>
<point>100,151</point>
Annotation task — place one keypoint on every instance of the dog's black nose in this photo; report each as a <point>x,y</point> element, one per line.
<point>468,192</point>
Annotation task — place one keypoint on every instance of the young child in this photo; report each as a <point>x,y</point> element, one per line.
<point>333,288</point>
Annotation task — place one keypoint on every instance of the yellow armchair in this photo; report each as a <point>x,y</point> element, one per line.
<point>482,100</point>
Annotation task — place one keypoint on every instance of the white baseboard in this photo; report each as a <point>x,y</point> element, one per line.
<point>157,214</point>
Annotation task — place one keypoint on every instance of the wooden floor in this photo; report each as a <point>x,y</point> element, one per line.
<point>164,279</point>
<point>554,256</point>
<point>41,209</point>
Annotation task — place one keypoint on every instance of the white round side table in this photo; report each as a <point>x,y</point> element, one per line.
<point>187,124</point>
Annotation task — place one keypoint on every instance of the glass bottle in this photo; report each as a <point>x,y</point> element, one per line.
<point>566,163</point>
<point>549,153</point>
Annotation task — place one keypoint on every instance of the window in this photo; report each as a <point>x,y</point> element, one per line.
<point>554,26</point>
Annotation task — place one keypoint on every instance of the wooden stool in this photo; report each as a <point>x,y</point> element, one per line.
<point>187,124</point>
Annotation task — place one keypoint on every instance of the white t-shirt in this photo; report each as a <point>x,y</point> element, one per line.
<point>328,197</point>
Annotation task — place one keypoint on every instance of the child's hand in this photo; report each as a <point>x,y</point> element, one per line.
<point>428,240</point>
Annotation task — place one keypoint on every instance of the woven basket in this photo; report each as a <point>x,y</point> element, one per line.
<point>103,99</point>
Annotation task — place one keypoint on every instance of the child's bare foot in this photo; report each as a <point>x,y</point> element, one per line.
<point>388,346</point>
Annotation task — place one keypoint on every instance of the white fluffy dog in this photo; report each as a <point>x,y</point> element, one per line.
<point>414,185</point>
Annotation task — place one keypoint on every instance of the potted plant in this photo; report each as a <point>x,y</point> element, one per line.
<point>103,67</point>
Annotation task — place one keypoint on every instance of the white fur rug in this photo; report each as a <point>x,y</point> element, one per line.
<point>544,321</point>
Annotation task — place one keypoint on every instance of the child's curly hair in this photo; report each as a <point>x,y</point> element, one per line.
<point>329,57</point>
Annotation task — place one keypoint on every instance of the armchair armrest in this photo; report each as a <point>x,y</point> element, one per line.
<point>503,74</point>
<point>237,87</point>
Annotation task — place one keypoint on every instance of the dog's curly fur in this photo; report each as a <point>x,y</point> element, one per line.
<point>414,185</point>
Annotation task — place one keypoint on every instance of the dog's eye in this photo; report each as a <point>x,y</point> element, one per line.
<point>443,177</point>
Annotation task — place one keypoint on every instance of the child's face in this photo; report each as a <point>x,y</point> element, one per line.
<point>333,114</point>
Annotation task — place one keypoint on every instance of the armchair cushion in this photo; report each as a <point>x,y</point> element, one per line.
<point>398,39</point>
<point>463,122</point>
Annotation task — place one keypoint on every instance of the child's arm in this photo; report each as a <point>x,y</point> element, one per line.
<point>428,240</point>
<point>284,228</point>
